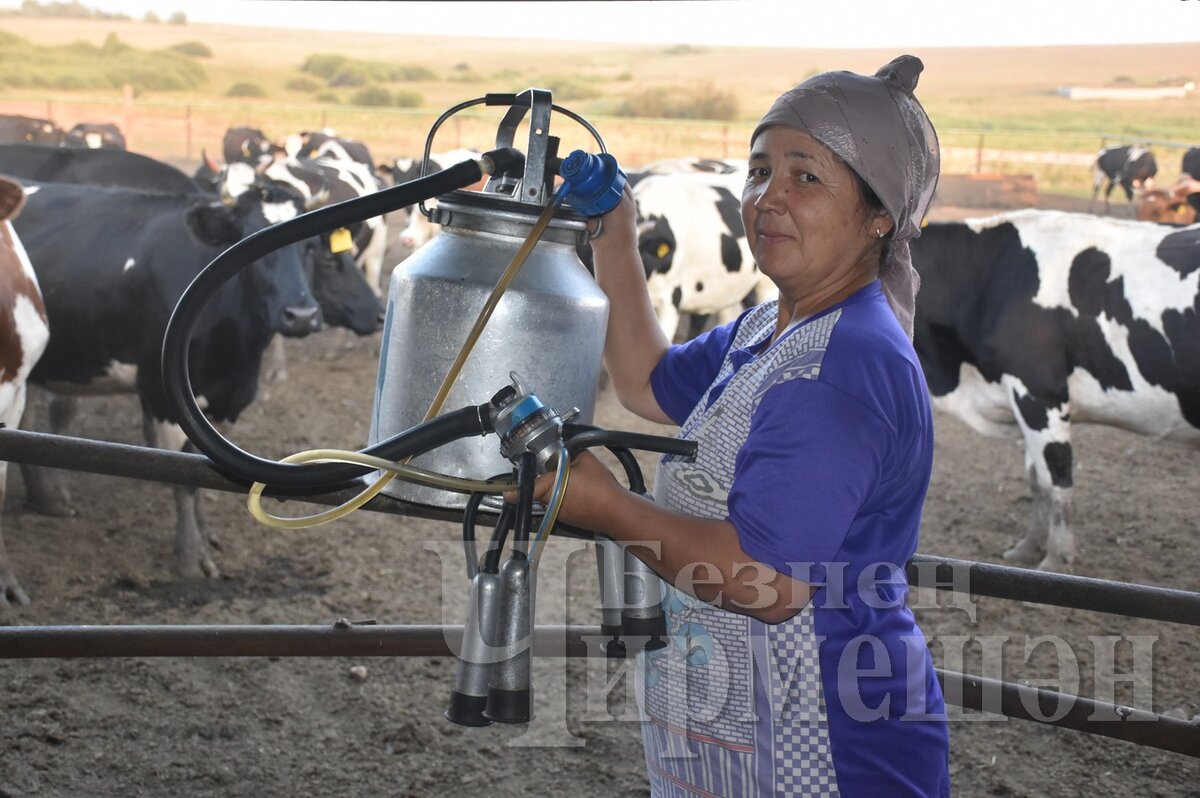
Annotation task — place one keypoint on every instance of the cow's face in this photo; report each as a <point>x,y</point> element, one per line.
<point>345,297</point>
<point>805,219</point>
<point>278,281</point>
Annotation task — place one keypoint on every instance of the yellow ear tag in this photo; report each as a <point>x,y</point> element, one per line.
<point>662,251</point>
<point>340,240</point>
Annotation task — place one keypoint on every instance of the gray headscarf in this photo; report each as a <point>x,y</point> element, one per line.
<point>878,128</point>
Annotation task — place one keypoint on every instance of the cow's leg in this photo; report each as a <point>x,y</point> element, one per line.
<point>1048,461</point>
<point>10,588</point>
<point>46,489</point>
<point>191,549</point>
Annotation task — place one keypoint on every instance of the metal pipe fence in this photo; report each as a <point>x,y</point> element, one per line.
<point>366,639</point>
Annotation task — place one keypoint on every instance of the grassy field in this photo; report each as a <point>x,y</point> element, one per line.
<point>1005,95</point>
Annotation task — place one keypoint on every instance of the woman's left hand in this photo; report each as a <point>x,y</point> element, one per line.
<point>592,493</point>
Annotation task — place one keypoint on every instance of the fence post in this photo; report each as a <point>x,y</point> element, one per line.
<point>979,156</point>
<point>127,112</point>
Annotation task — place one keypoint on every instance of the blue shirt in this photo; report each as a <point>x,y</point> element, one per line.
<point>818,449</point>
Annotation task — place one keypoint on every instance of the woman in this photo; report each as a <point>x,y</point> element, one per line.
<point>794,668</point>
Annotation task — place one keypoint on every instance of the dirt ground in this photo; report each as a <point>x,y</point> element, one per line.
<point>267,727</point>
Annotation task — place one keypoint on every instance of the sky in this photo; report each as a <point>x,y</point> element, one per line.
<point>833,24</point>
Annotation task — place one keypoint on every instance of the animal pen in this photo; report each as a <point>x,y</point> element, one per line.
<point>348,639</point>
<point>532,435</point>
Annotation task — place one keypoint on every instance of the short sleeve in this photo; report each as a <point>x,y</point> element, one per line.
<point>685,371</point>
<point>812,458</point>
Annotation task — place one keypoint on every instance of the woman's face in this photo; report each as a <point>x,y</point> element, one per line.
<point>806,222</point>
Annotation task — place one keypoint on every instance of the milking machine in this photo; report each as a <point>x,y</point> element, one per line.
<point>507,262</point>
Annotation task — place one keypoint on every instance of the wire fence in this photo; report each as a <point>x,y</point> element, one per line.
<point>180,132</point>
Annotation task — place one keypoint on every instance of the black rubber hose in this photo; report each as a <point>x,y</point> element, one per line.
<point>633,471</point>
<point>177,382</point>
<point>526,479</point>
<point>491,559</point>
<point>581,436</point>
<point>469,514</point>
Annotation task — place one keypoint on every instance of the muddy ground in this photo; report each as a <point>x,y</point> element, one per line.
<point>267,727</point>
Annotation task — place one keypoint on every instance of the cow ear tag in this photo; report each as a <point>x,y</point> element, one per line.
<point>662,251</point>
<point>340,240</point>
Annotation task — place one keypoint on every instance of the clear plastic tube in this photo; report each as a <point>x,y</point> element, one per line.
<point>392,469</point>
<point>557,494</point>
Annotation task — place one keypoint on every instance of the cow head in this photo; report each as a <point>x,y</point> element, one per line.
<point>279,278</point>
<point>345,296</point>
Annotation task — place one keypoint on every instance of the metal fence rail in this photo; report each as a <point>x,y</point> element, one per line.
<point>346,638</point>
<point>962,576</point>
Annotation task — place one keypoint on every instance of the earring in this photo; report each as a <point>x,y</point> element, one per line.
<point>878,233</point>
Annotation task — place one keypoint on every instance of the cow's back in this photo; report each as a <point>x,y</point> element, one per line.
<point>1103,311</point>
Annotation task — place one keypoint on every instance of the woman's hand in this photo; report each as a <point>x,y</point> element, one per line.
<point>618,227</point>
<point>592,493</point>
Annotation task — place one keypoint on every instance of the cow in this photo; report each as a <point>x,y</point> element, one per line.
<point>331,181</point>
<point>419,231</point>
<point>96,136</point>
<point>712,166</point>
<point>1132,168</point>
<point>24,332</point>
<point>1164,207</point>
<point>693,246</point>
<point>97,167</point>
<point>325,144</point>
<point>248,145</point>
<point>29,130</point>
<point>1189,179</point>
<point>345,298</point>
<point>113,263</point>
<point>1031,320</point>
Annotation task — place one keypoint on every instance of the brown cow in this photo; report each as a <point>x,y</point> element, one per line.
<point>24,332</point>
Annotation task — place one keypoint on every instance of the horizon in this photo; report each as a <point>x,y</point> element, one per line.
<point>733,23</point>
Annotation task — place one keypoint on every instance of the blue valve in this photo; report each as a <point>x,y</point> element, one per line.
<point>594,182</point>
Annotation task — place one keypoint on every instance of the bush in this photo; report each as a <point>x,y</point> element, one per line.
<point>191,48</point>
<point>349,75</point>
<point>327,97</point>
<point>407,99</point>
<point>682,49</point>
<point>243,89</point>
<point>302,84</point>
<point>568,87</point>
<point>374,96</point>
<point>177,18</point>
<point>333,67</point>
<point>468,76</point>
<point>84,67</point>
<point>703,102</point>
<point>624,76</point>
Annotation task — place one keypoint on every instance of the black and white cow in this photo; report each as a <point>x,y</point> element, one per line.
<point>97,167</point>
<point>1132,168</point>
<point>24,332</point>
<point>693,246</point>
<point>345,298</point>
<point>314,145</point>
<point>1029,321</point>
<point>16,129</point>
<point>1189,179</point>
<point>325,180</point>
<point>248,145</point>
<point>113,263</point>
<point>96,136</point>
<point>419,231</point>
